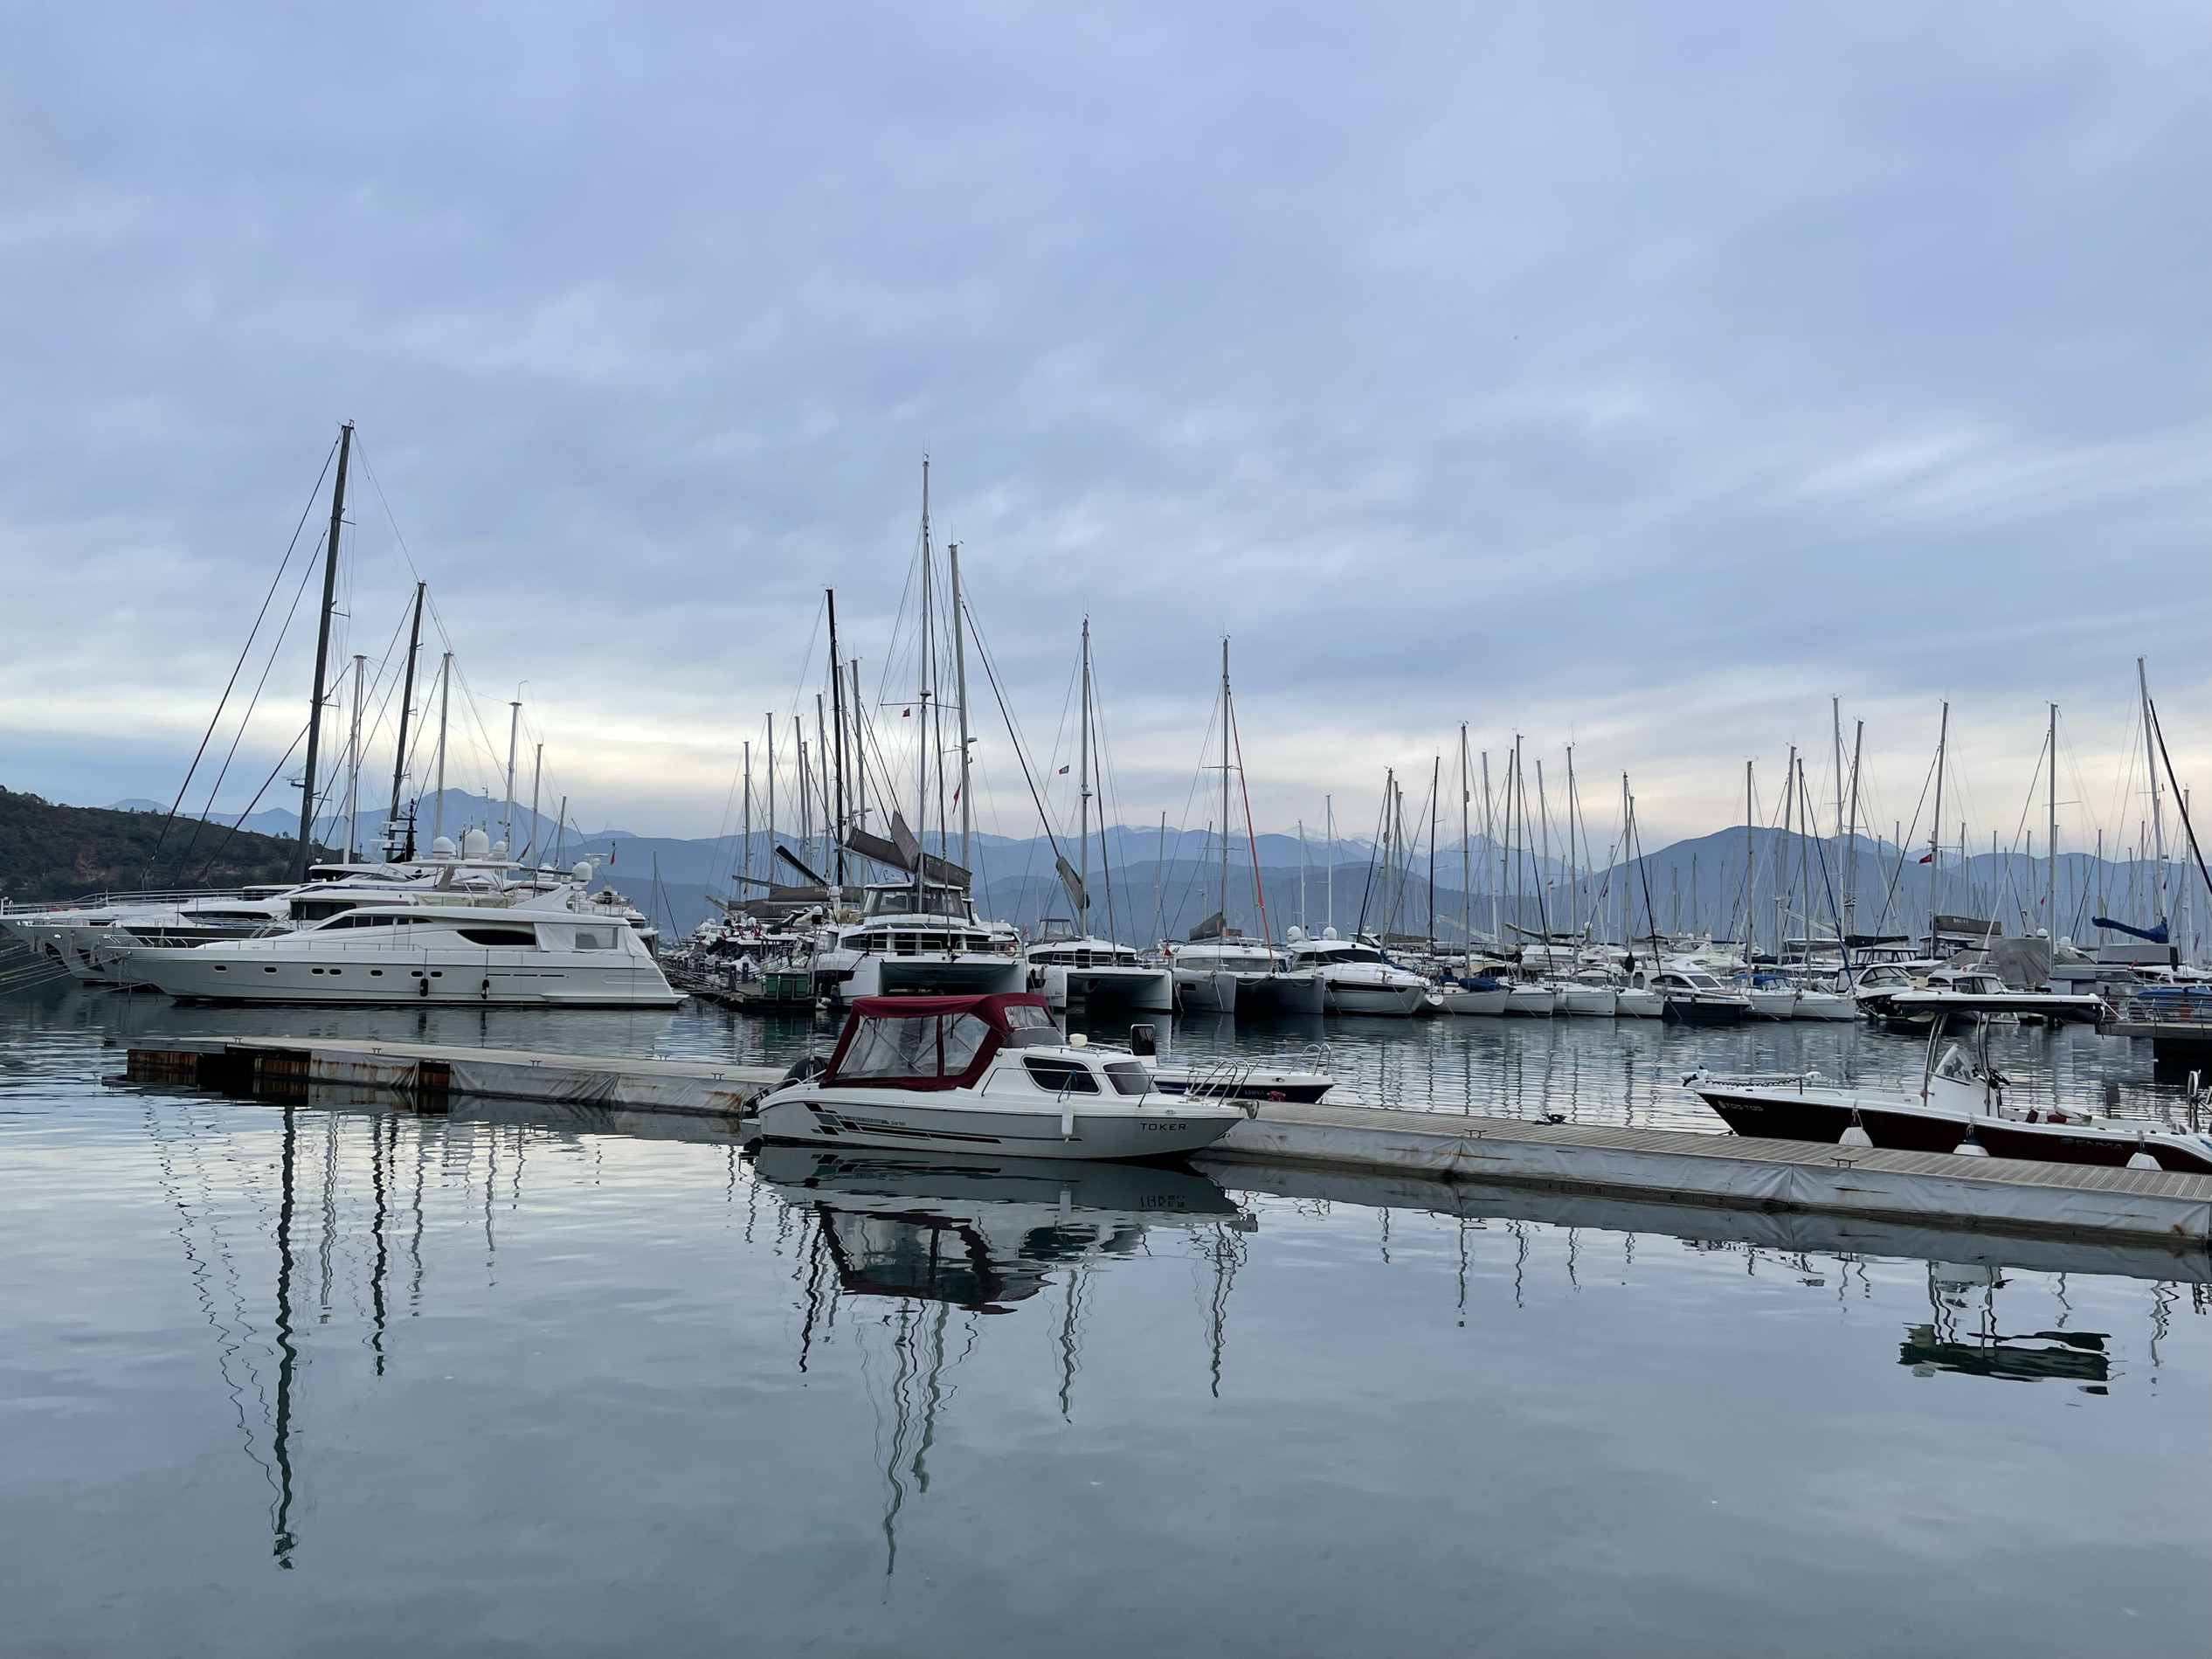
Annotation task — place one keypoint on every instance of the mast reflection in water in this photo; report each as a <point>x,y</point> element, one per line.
<point>981,1238</point>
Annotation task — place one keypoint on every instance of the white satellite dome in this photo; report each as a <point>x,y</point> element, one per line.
<point>582,874</point>
<point>476,844</point>
<point>499,848</point>
<point>442,848</point>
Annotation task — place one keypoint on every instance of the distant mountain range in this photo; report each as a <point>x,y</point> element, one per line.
<point>1161,884</point>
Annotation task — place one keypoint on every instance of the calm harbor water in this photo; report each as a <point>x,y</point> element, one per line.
<point>334,1378</point>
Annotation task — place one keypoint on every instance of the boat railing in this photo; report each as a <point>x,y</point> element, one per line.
<point>98,901</point>
<point>2169,1010</point>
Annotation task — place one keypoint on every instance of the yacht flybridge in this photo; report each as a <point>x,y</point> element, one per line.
<point>987,1075</point>
<point>542,951</point>
<point>918,937</point>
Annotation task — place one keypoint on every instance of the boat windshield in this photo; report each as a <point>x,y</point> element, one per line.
<point>930,1046</point>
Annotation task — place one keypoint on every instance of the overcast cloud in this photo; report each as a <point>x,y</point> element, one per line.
<point>1640,375</point>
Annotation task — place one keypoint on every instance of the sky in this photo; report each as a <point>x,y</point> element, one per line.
<point>1641,377</point>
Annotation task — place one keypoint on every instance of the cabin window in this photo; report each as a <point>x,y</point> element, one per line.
<point>930,1046</point>
<point>1027,1016</point>
<point>594,939</point>
<point>1128,1077</point>
<point>1070,1076</point>
<point>508,936</point>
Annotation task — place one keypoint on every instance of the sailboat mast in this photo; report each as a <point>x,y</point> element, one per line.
<point>2050,846</point>
<point>406,702</point>
<point>1489,834</point>
<point>1575,868</point>
<point>1225,786</point>
<point>837,712</point>
<point>771,799</point>
<point>1851,838</point>
<point>967,813</point>
<point>1082,784</point>
<point>1435,802</point>
<point>2158,805</point>
<point>1329,834</point>
<point>322,645</point>
<point>1750,872</point>
<point>353,762</point>
<point>444,699</point>
<point>514,736</point>
<point>1935,827</point>
<point>922,730</point>
<point>1466,858</point>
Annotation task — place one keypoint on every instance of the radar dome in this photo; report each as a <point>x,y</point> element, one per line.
<point>582,874</point>
<point>476,844</point>
<point>1328,933</point>
<point>499,848</point>
<point>442,848</point>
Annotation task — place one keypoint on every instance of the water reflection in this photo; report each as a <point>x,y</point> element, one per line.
<point>980,1236</point>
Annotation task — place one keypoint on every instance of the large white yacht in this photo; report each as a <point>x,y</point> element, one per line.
<point>989,1075</point>
<point>1067,966</point>
<point>539,953</point>
<point>1356,977</point>
<point>1260,978</point>
<point>917,938</point>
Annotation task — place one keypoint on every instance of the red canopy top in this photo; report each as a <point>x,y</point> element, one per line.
<point>990,1010</point>
<point>915,1007</point>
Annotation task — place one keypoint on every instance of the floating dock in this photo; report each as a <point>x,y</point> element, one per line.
<point>426,1074</point>
<point>1923,1190</point>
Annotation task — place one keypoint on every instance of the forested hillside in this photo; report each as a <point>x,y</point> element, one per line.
<point>50,851</point>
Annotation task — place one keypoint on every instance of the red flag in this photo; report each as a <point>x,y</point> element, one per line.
<point>1927,858</point>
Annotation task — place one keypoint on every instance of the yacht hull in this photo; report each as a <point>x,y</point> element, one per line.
<point>1599,1002</point>
<point>1694,1011</point>
<point>1150,989</point>
<point>1459,1000</point>
<point>1394,1001</point>
<point>884,1118</point>
<point>1281,993</point>
<point>1531,1002</point>
<point>503,979</point>
<point>1204,990</point>
<point>1906,1127</point>
<point>1639,1005</point>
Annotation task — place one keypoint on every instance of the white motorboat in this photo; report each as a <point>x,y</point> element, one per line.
<point>987,1075</point>
<point>911,940</point>
<point>1357,977</point>
<point>1692,996</point>
<point>539,953</point>
<point>1266,980</point>
<point>1067,967</point>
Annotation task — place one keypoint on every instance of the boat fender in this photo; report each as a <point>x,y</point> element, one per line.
<point>1970,1147</point>
<point>1854,1133</point>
